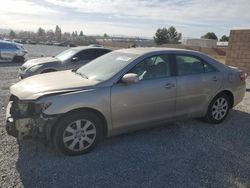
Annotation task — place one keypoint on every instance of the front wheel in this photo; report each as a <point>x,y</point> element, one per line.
<point>218,109</point>
<point>77,133</point>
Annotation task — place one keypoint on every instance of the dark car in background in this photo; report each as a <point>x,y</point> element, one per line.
<point>72,58</point>
<point>12,52</point>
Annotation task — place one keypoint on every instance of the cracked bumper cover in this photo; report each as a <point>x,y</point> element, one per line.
<point>10,123</point>
<point>35,125</point>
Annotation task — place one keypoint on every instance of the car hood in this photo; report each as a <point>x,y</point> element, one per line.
<point>42,60</point>
<point>49,83</point>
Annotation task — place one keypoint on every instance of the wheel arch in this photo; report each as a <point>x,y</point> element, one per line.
<point>229,95</point>
<point>85,109</point>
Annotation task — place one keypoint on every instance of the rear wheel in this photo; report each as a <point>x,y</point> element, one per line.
<point>78,133</point>
<point>218,109</point>
<point>18,59</point>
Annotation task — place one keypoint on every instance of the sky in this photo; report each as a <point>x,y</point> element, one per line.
<point>193,18</point>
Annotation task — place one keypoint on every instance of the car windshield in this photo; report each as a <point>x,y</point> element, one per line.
<point>67,54</point>
<point>106,66</point>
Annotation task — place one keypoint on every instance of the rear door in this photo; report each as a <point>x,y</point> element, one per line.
<point>151,99</point>
<point>197,82</point>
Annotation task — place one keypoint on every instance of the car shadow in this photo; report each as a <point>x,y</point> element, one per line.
<point>183,154</point>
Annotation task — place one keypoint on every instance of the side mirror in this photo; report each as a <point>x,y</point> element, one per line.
<point>130,78</point>
<point>75,59</point>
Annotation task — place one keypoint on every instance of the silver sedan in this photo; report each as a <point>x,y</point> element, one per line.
<point>12,52</point>
<point>122,91</point>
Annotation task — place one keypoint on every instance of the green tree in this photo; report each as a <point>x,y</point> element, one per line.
<point>224,38</point>
<point>58,33</point>
<point>164,36</point>
<point>210,35</point>
<point>41,32</point>
<point>66,34</point>
<point>174,36</point>
<point>105,35</point>
<point>12,34</point>
<point>161,36</point>
<point>50,35</point>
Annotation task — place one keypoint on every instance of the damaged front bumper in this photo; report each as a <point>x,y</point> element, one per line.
<point>10,123</point>
<point>30,124</point>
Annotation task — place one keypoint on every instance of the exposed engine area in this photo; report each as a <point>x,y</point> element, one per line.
<point>25,117</point>
<point>24,127</point>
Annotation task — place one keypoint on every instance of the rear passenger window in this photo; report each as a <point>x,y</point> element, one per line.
<point>188,65</point>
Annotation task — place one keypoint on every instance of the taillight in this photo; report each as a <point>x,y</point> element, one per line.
<point>243,76</point>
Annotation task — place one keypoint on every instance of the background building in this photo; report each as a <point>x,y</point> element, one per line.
<point>204,43</point>
<point>238,53</point>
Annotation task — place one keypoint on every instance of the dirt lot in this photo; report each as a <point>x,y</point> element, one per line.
<point>183,154</point>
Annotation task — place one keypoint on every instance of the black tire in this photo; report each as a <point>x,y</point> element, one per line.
<point>67,122</point>
<point>211,114</point>
<point>18,59</point>
<point>48,70</point>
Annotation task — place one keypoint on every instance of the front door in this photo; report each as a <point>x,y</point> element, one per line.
<point>151,99</point>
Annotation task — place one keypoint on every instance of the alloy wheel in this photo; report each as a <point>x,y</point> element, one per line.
<point>79,135</point>
<point>219,108</point>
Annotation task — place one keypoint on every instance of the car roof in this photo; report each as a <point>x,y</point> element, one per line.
<point>89,47</point>
<point>7,42</point>
<point>141,51</point>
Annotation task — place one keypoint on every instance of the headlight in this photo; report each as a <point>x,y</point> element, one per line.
<point>23,106</point>
<point>34,68</point>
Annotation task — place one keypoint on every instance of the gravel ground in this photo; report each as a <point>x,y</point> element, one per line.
<point>182,154</point>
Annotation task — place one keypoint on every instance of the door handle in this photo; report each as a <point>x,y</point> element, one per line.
<point>169,85</point>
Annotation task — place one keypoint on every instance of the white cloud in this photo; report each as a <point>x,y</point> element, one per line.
<point>130,17</point>
<point>176,10</point>
<point>22,15</point>
<point>24,7</point>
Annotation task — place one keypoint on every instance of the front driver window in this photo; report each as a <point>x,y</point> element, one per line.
<point>153,68</point>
